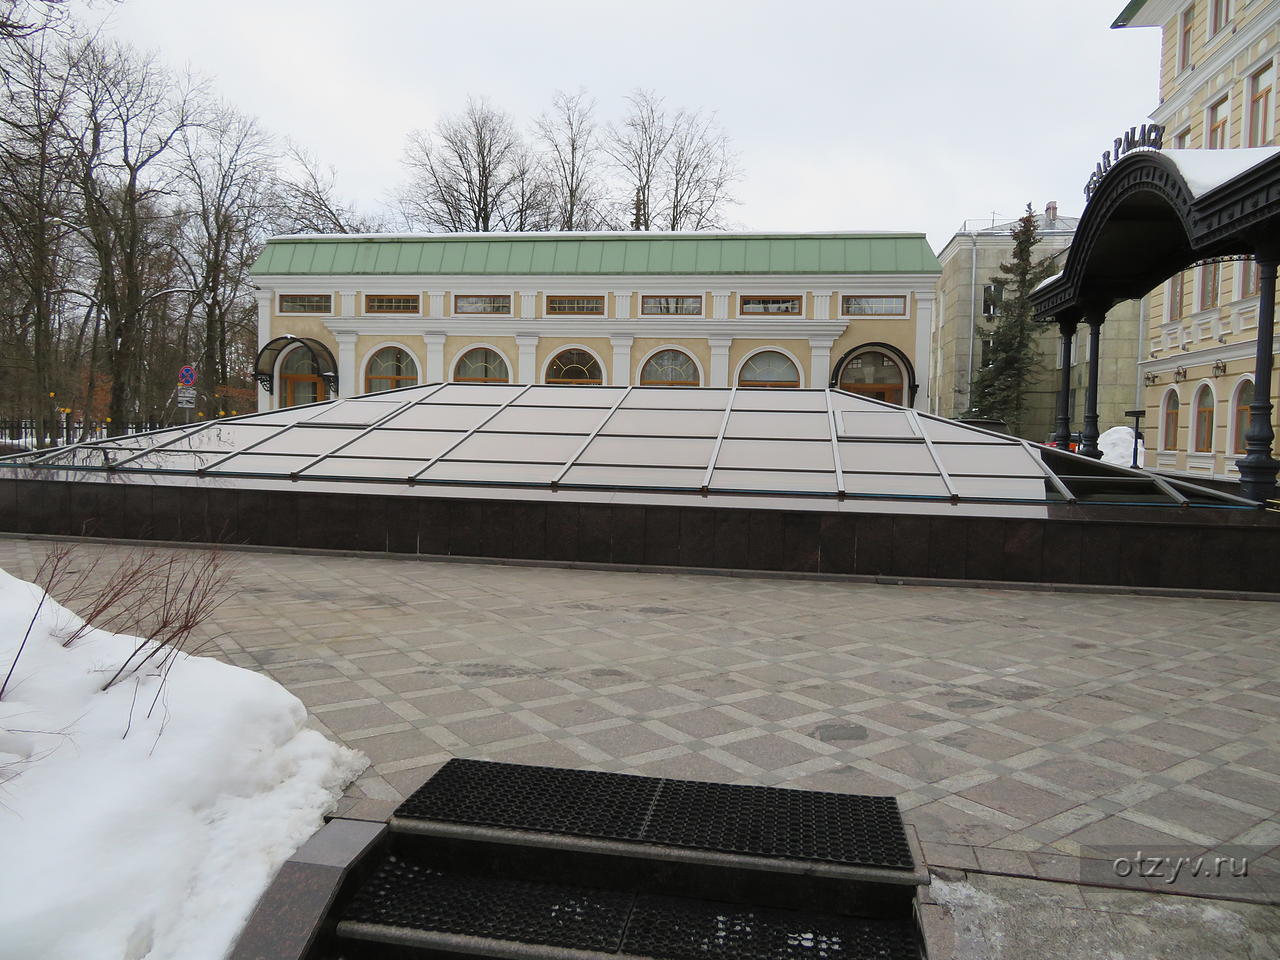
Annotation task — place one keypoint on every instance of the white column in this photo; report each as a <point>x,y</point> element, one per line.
<point>822,306</point>
<point>435,357</point>
<point>265,297</point>
<point>347,386</point>
<point>719,305</point>
<point>526,370</point>
<point>719,360</point>
<point>622,304</point>
<point>820,361</point>
<point>528,308</point>
<point>621,360</point>
<point>924,323</point>
<point>435,303</point>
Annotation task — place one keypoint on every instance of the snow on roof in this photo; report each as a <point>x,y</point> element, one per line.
<point>1206,170</point>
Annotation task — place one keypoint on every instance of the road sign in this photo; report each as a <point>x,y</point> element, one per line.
<point>186,397</point>
<point>187,376</point>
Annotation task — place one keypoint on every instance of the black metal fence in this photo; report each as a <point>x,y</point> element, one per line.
<point>28,435</point>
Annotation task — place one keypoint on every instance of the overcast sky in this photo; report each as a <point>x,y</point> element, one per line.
<point>847,115</point>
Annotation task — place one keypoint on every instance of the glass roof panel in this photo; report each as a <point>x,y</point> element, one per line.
<point>894,485</point>
<point>444,416</point>
<point>413,444</point>
<point>476,393</point>
<point>171,459</point>
<point>358,468</point>
<point>533,473</point>
<point>780,481</point>
<point>277,466</point>
<point>552,396</point>
<point>986,458</point>
<point>1002,488</point>
<point>523,447</point>
<point>224,436</point>
<point>677,398</point>
<point>943,430</point>
<point>777,454</point>
<point>650,451</point>
<point>874,423</point>
<point>309,440</point>
<point>535,420</point>
<point>882,457</point>
<point>665,423</point>
<point>781,426</point>
<point>360,412</point>
<point>689,479</point>
<point>780,400</point>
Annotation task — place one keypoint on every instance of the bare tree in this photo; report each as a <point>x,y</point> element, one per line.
<point>698,170</point>
<point>473,173</point>
<point>307,200</point>
<point>637,148</point>
<point>570,143</point>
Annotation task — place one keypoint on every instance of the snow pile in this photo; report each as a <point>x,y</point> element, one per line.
<point>1117,447</point>
<point>1206,170</point>
<point>137,832</point>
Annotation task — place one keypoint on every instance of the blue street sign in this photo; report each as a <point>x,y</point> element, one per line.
<point>187,376</point>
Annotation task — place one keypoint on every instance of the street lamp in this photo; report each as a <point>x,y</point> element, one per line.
<point>1137,432</point>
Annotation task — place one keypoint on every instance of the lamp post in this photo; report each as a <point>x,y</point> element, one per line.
<point>1137,432</point>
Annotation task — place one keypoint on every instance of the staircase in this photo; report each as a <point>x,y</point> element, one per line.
<point>510,861</point>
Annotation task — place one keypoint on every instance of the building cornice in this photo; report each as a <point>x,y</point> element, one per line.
<point>603,283</point>
<point>1236,350</point>
<point>669,327</point>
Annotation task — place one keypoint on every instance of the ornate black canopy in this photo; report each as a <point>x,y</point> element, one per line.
<point>265,365</point>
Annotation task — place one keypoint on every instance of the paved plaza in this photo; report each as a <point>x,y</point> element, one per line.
<point>1019,730</point>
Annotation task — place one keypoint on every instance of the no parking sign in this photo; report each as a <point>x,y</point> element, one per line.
<point>187,376</point>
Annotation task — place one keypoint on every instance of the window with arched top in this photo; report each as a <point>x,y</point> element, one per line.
<point>1244,397</point>
<point>873,374</point>
<point>769,368</point>
<point>1169,427</point>
<point>669,368</point>
<point>389,368</point>
<point>1204,420</point>
<point>300,378</point>
<point>481,365</point>
<point>575,366</point>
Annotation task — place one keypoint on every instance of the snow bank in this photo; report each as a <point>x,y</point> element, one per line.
<point>1116,445</point>
<point>133,836</point>
<point>1206,170</point>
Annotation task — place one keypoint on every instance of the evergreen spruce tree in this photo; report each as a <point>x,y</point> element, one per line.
<point>1000,388</point>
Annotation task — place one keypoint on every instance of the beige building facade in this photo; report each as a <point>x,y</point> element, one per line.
<point>782,310</point>
<point>1218,67</point>
<point>968,307</point>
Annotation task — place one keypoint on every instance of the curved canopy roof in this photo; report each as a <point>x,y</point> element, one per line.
<point>783,447</point>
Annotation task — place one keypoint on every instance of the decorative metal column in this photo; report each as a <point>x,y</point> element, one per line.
<point>1258,468</point>
<point>1062,438</point>
<point>1089,436</point>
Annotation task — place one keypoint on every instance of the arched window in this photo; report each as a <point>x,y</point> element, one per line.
<point>574,366</point>
<point>1169,433</point>
<point>1204,420</point>
<point>389,368</point>
<point>769,368</point>
<point>669,368</point>
<point>873,374</point>
<point>1244,397</point>
<point>481,365</point>
<point>300,377</point>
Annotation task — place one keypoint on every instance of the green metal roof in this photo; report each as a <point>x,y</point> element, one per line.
<point>1128,13</point>
<point>596,254</point>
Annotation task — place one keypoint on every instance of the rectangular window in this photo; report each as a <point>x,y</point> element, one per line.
<point>306,303</point>
<point>1217,124</point>
<point>856,306</point>
<point>749,306</point>
<point>992,294</point>
<point>575,305</point>
<point>1176,287</point>
<point>1209,289</point>
<point>1260,107</point>
<point>988,343</point>
<point>671,306</point>
<point>1184,40</point>
<point>1249,279</point>
<point>499,303</point>
<point>1221,15</point>
<point>1182,140</point>
<point>381,303</point>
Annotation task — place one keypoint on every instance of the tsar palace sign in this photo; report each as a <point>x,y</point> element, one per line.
<point>1149,136</point>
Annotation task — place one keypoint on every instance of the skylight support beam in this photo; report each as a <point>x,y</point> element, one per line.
<point>569,464</point>
<point>715,451</point>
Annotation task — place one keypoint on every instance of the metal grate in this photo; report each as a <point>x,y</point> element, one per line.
<point>670,929</point>
<point>403,893</point>
<point>755,821</point>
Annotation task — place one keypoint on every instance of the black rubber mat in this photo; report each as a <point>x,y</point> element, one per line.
<point>757,821</point>
<point>669,929</point>
<point>403,893</point>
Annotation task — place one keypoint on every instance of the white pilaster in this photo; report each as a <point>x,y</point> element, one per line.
<point>820,361</point>
<point>924,323</point>
<point>527,364</point>
<point>435,304</point>
<point>265,297</point>
<point>435,354</point>
<point>822,306</point>
<point>720,305</point>
<point>347,386</point>
<point>622,304</point>
<point>621,360</point>
<point>719,359</point>
<point>528,308</point>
